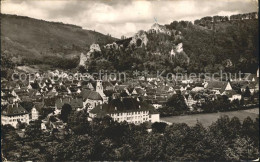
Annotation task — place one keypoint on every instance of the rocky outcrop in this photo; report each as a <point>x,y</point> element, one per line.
<point>179,48</point>
<point>139,39</point>
<point>113,45</point>
<point>157,28</point>
<point>95,48</point>
<point>84,58</point>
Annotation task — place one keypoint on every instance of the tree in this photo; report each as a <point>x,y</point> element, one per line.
<point>177,102</point>
<point>33,130</point>
<point>248,129</point>
<point>82,69</point>
<point>243,149</point>
<point>21,125</point>
<point>65,112</point>
<point>247,92</point>
<point>158,127</point>
<point>235,127</point>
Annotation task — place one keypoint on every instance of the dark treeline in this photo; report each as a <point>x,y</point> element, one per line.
<point>226,139</point>
<point>176,105</point>
<point>232,46</point>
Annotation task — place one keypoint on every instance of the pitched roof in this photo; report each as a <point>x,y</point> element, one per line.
<point>122,105</point>
<point>218,85</point>
<point>120,87</point>
<point>88,94</point>
<point>108,85</point>
<point>231,93</point>
<point>251,85</point>
<point>38,105</point>
<point>73,102</point>
<point>49,102</point>
<point>14,109</point>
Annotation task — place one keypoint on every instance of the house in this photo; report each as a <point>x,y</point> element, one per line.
<point>14,113</point>
<point>157,105</point>
<point>253,87</point>
<point>158,102</point>
<point>190,101</point>
<point>107,85</point>
<point>49,103</point>
<point>187,81</point>
<point>33,109</point>
<point>141,78</point>
<point>197,89</point>
<point>150,78</point>
<point>100,90</point>
<point>235,96</point>
<point>91,98</point>
<point>75,103</point>
<point>218,86</point>
<point>126,109</point>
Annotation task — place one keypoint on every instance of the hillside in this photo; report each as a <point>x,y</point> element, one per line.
<point>209,45</point>
<point>219,43</point>
<point>228,45</point>
<point>27,40</point>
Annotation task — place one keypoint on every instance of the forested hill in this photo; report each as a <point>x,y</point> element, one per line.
<point>221,42</point>
<point>28,40</point>
<point>209,45</point>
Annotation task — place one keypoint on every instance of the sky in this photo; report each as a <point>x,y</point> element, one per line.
<point>124,17</point>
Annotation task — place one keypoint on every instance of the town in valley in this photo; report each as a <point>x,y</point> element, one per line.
<point>182,91</point>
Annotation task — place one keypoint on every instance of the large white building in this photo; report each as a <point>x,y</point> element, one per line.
<point>126,109</point>
<point>14,113</point>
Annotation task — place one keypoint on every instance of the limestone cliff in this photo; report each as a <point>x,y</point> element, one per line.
<point>139,39</point>
<point>84,58</point>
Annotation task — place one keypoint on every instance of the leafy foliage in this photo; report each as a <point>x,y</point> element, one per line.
<point>104,139</point>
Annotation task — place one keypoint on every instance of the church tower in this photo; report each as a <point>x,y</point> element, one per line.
<point>99,87</point>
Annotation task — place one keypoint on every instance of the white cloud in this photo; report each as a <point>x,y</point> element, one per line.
<point>124,17</point>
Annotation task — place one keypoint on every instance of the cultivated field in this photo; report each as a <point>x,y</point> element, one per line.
<point>208,119</point>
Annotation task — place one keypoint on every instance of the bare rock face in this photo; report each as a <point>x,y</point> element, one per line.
<point>95,47</point>
<point>139,39</point>
<point>173,53</point>
<point>179,48</point>
<point>84,58</point>
<point>157,28</point>
<point>111,46</point>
